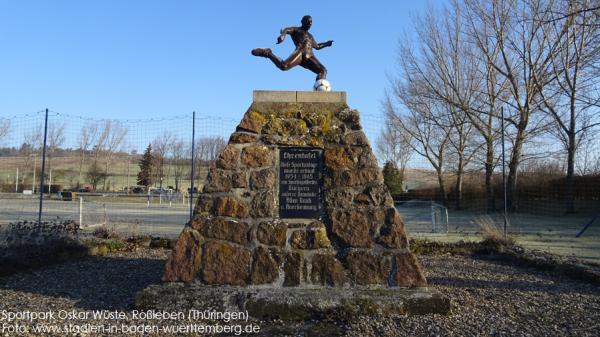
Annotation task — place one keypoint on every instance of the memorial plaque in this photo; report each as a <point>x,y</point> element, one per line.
<point>300,174</point>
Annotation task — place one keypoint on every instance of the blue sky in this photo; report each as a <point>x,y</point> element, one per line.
<point>141,59</point>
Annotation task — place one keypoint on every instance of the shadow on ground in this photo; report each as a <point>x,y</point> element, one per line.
<point>95,283</point>
<point>509,285</point>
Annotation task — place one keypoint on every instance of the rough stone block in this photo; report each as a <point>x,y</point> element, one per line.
<point>338,158</point>
<point>204,203</point>
<point>310,238</point>
<point>225,264</point>
<point>264,267</point>
<point>352,178</point>
<point>368,268</point>
<point>184,262</point>
<point>351,227</point>
<point>238,180</point>
<point>299,239</point>
<point>242,138</point>
<point>355,138</point>
<point>272,234</point>
<point>263,205</point>
<point>223,229</point>
<point>351,117</point>
<point>341,198</point>
<point>262,179</point>
<point>392,234</point>
<point>317,234</point>
<point>257,156</point>
<point>327,270</point>
<point>217,180</point>
<point>230,206</point>
<point>408,271</point>
<point>228,158</point>
<point>252,122</point>
<point>293,267</point>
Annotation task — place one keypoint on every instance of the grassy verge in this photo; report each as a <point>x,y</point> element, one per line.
<point>27,245</point>
<point>508,252</point>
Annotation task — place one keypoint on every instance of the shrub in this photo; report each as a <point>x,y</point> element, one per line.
<point>25,245</point>
<point>492,233</point>
<point>103,232</point>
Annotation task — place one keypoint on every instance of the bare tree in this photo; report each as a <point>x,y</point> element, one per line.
<point>523,58</point>
<point>56,137</point>
<point>576,8</point>
<point>589,154</point>
<point>87,137</point>
<point>393,144</point>
<point>54,141</point>
<point>161,146</point>
<point>429,140</point>
<point>207,149</point>
<point>568,98</point>
<point>447,73</point>
<point>4,129</point>
<point>472,85</point>
<point>106,138</point>
<point>115,141</point>
<point>178,161</point>
<point>31,143</point>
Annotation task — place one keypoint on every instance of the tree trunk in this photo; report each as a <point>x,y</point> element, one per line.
<point>571,148</point>
<point>459,180</point>
<point>80,169</point>
<point>570,195</point>
<point>513,167</point>
<point>442,188</point>
<point>106,175</point>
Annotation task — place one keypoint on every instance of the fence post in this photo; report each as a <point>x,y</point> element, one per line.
<point>43,169</point>
<point>503,171</point>
<point>50,184</point>
<point>34,168</point>
<point>193,164</point>
<point>80,211</point>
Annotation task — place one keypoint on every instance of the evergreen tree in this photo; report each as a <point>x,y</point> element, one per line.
<point>392,179</point>
<point>144,177</point>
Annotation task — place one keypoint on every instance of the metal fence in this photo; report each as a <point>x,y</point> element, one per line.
<point>98,160</point>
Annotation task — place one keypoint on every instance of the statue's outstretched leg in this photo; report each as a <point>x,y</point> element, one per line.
<point>313,64</point>
<point>292,61</point>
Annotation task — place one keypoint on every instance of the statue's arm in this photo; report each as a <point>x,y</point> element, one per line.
<point>322,45</point>
<point>283,33</point>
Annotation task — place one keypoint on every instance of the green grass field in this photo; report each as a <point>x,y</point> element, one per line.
<point>586,248</point>
<point>66,173</point>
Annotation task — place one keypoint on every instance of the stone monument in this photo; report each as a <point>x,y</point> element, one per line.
<point>296,203</point>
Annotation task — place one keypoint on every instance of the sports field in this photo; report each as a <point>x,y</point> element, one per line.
<point>166,218</point>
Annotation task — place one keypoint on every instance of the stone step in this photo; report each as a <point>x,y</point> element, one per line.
<point>273,96</point>
<point>293,304</point>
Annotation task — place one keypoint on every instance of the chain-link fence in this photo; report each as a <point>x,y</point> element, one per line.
<point>94,174</point>
<point>94,170</point>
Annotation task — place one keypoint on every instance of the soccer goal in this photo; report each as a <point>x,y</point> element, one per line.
<point>424,216</point>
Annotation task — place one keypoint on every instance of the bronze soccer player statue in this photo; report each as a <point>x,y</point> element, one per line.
<point>303,55</point>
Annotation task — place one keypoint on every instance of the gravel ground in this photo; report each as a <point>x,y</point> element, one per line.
<point>489,299</point>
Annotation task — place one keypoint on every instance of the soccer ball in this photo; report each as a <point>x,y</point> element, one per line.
<point>322,85</point>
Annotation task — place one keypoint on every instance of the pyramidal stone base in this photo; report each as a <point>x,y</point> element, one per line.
<point>297,199</point>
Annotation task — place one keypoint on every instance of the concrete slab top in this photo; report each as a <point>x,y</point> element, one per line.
<point>299,96</point>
